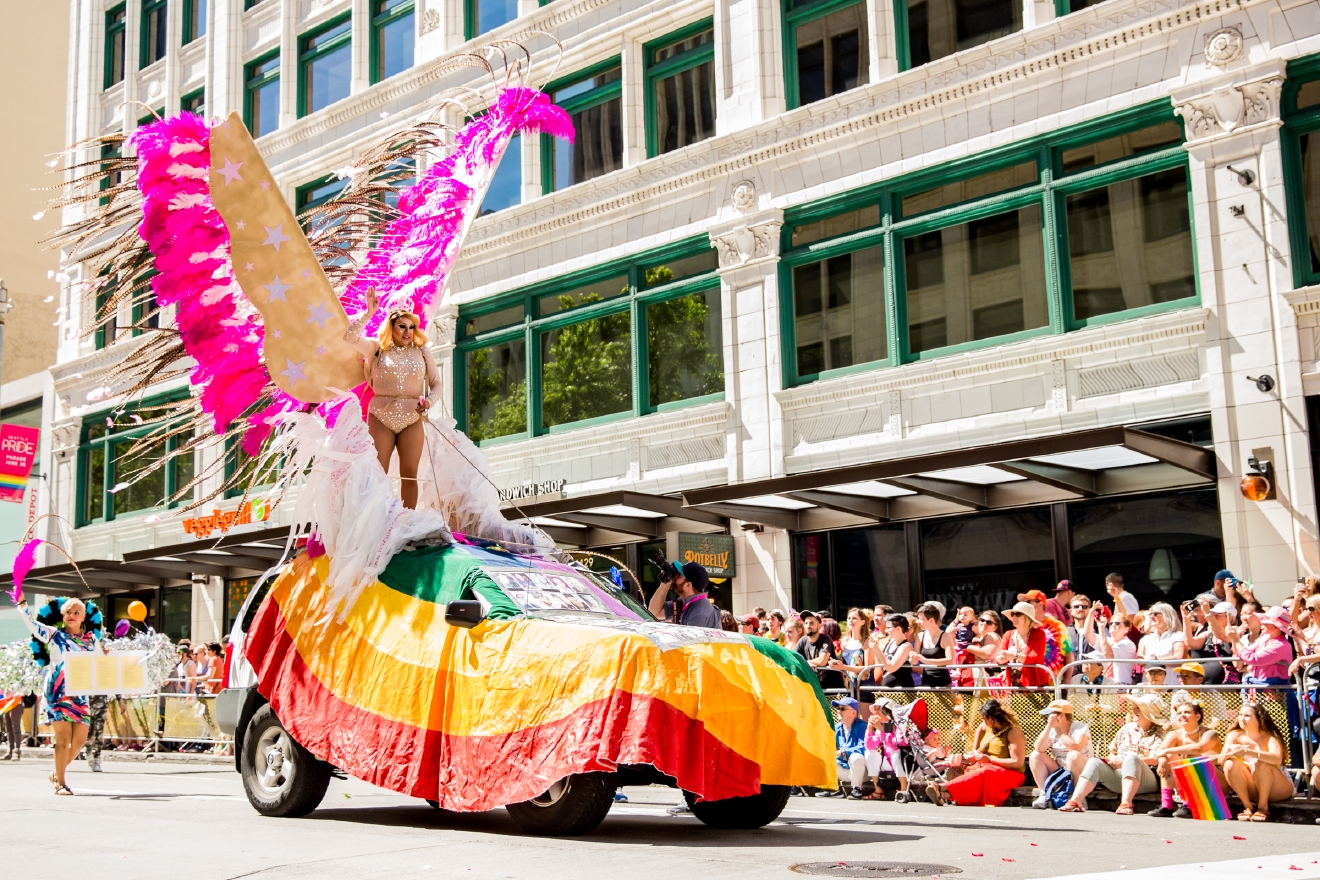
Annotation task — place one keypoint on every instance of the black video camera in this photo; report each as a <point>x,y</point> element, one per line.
<point>667,571</point>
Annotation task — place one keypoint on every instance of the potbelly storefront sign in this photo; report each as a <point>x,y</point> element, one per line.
<point>713,552</point>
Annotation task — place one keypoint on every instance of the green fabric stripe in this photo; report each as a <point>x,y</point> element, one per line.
<point>796,665</point>
<point>446,574</point>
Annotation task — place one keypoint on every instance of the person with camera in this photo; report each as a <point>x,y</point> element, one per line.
<point>693,606</point>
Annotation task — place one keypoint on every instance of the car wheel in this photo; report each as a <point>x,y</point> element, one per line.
<point>280,777</point>
<point>753,811</point>
<point>573,805</point>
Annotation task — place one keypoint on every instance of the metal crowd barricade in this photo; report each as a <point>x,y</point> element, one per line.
<point>184,720</point>
<point>955,712</point>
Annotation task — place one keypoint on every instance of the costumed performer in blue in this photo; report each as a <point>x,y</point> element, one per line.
<point>63,626</point>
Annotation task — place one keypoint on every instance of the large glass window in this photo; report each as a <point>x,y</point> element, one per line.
<point>975,258</point>
<point>986,560</point>
<point>325,62</point>
<point>1167,548</point>
<point>936,28</point>
<point>262,90</point>
<point>155,36</point>
<point>1130,244</point>
<point>851,568</point>
<point>595,103</point>
<point>483,16</point>
<point>392,34</point>
<point>114,467</point>
<point>827,49</point>
<point>634,338</point>
<point>496,390</point>
<point>194,102</point>
<point>976,280</point>
<point>194,20</point>
<point>506,186</point>
<point>681,89</point>
<point>115,21</point>
<point>1301,143</point>
<point>839,311</point>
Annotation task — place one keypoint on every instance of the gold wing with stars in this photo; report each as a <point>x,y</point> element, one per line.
<point>274,265</point>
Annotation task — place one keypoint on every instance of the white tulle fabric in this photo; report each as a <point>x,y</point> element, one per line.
<point>350,504</point>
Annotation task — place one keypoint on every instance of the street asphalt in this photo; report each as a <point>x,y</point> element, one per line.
<point>139,820</point>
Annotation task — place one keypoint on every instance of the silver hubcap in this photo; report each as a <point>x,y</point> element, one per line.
<point>554,794</point>
<point>275,766</point>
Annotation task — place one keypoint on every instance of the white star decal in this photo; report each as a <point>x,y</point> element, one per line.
<point>248,267</point>
<point>307,273</point>
<point>277,290</point>
<point>277,333</point>
<point>240,224</point>
<point>265,184</point>
<point>275,236</point>
<point>293,371</point>
<point>320,314</point>
<point>230,171</point>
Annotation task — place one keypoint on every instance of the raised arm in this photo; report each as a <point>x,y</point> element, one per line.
<point>42,632</point>
<point>353,335</point>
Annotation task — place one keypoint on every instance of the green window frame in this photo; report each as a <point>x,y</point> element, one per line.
<point>153,41</point>
<point>194,20</point>
<point>110,151</point>
<point>194,102</point>
<point>906,20</point>
<point>473,26</point>
<point>577,102</point>
<point>834,75</point>
<point>116,21</point>
<point>1300,103</point>
<point>663,303</point>
<point>106,334</point>
<point>104,442</point>
<point>391,19</point>
<point>258,77</point>
<point>338,36</point>
<point>660,72</point>
<point>1069,166</point>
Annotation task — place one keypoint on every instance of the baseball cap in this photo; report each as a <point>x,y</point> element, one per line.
<point>1094,656</point>
<point>695,573</point>
<point>805,614</point>
<point>1223,575</point>
<point>751,620</point>
<point>1193,668</point>
<point>1031,596</point>
<point>846,702</point>
<point>1063,586</point>
<point>1225,608</point>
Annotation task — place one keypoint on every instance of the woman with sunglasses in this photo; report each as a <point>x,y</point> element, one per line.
<point>1113,642</point>
<point>403,378</point>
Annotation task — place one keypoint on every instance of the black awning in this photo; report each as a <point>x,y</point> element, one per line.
<point>615,517</point>
<point>1060,467</point>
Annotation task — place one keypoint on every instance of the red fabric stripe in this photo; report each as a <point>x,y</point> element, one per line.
<point>473,773</point>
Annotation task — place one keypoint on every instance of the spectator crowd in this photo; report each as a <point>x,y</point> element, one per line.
<point>1165,670</point>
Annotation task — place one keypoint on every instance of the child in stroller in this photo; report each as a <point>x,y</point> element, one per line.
<point>900,738</point>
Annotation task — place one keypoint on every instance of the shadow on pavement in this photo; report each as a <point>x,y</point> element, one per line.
<point>624,829</point>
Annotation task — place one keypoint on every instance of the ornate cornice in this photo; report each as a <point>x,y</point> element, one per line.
<point>1232,109</point>
<point>1304,300</point>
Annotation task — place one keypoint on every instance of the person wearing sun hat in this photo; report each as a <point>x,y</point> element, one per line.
<point>1025,645</point>
<point>1269,655</point>
<point>1063,743</point>
<point>1129,768</point>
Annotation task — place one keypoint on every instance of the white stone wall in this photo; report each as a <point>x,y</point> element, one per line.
<point>1056,72</point>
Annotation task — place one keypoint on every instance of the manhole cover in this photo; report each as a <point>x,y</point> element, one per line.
<point>875,869</point>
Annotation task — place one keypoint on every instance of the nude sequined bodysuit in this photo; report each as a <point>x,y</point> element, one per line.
<point>399,378</point>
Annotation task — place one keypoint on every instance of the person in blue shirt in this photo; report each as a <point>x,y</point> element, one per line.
<point>850,740</point>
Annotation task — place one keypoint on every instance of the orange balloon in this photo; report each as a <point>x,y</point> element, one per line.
<point>137,611</point>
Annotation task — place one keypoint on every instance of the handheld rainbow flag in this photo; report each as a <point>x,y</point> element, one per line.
<point>8,703</point>
<point>1198,785</point>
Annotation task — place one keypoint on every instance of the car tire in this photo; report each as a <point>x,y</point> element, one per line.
<point>280,777</point>
<point>572,806</point>
<point>753,811</point>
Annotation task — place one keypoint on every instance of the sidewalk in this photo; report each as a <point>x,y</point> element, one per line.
<point>46,754</point>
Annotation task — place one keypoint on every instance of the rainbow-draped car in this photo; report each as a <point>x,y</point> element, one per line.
<point>475,678</point>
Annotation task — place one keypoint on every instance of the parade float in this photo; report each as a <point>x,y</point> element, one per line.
<point>432,648</point>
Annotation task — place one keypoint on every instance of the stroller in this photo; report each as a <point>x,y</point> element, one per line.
<point>921,757</point>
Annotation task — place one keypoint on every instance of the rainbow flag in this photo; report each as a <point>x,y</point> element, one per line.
<point>1198,785</point>
<point>12,486</point>
<point>8,703</point>
<point>477,718</point>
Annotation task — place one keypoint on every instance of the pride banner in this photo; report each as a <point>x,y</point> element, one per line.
<point>18,450</point>
<point>478,718</point>
<point>1197,784</point>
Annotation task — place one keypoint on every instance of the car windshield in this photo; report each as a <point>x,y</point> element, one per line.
<point>556,587</point>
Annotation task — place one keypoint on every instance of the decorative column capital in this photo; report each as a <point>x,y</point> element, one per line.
<point>1220,108</point>
<point>748,240</point>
